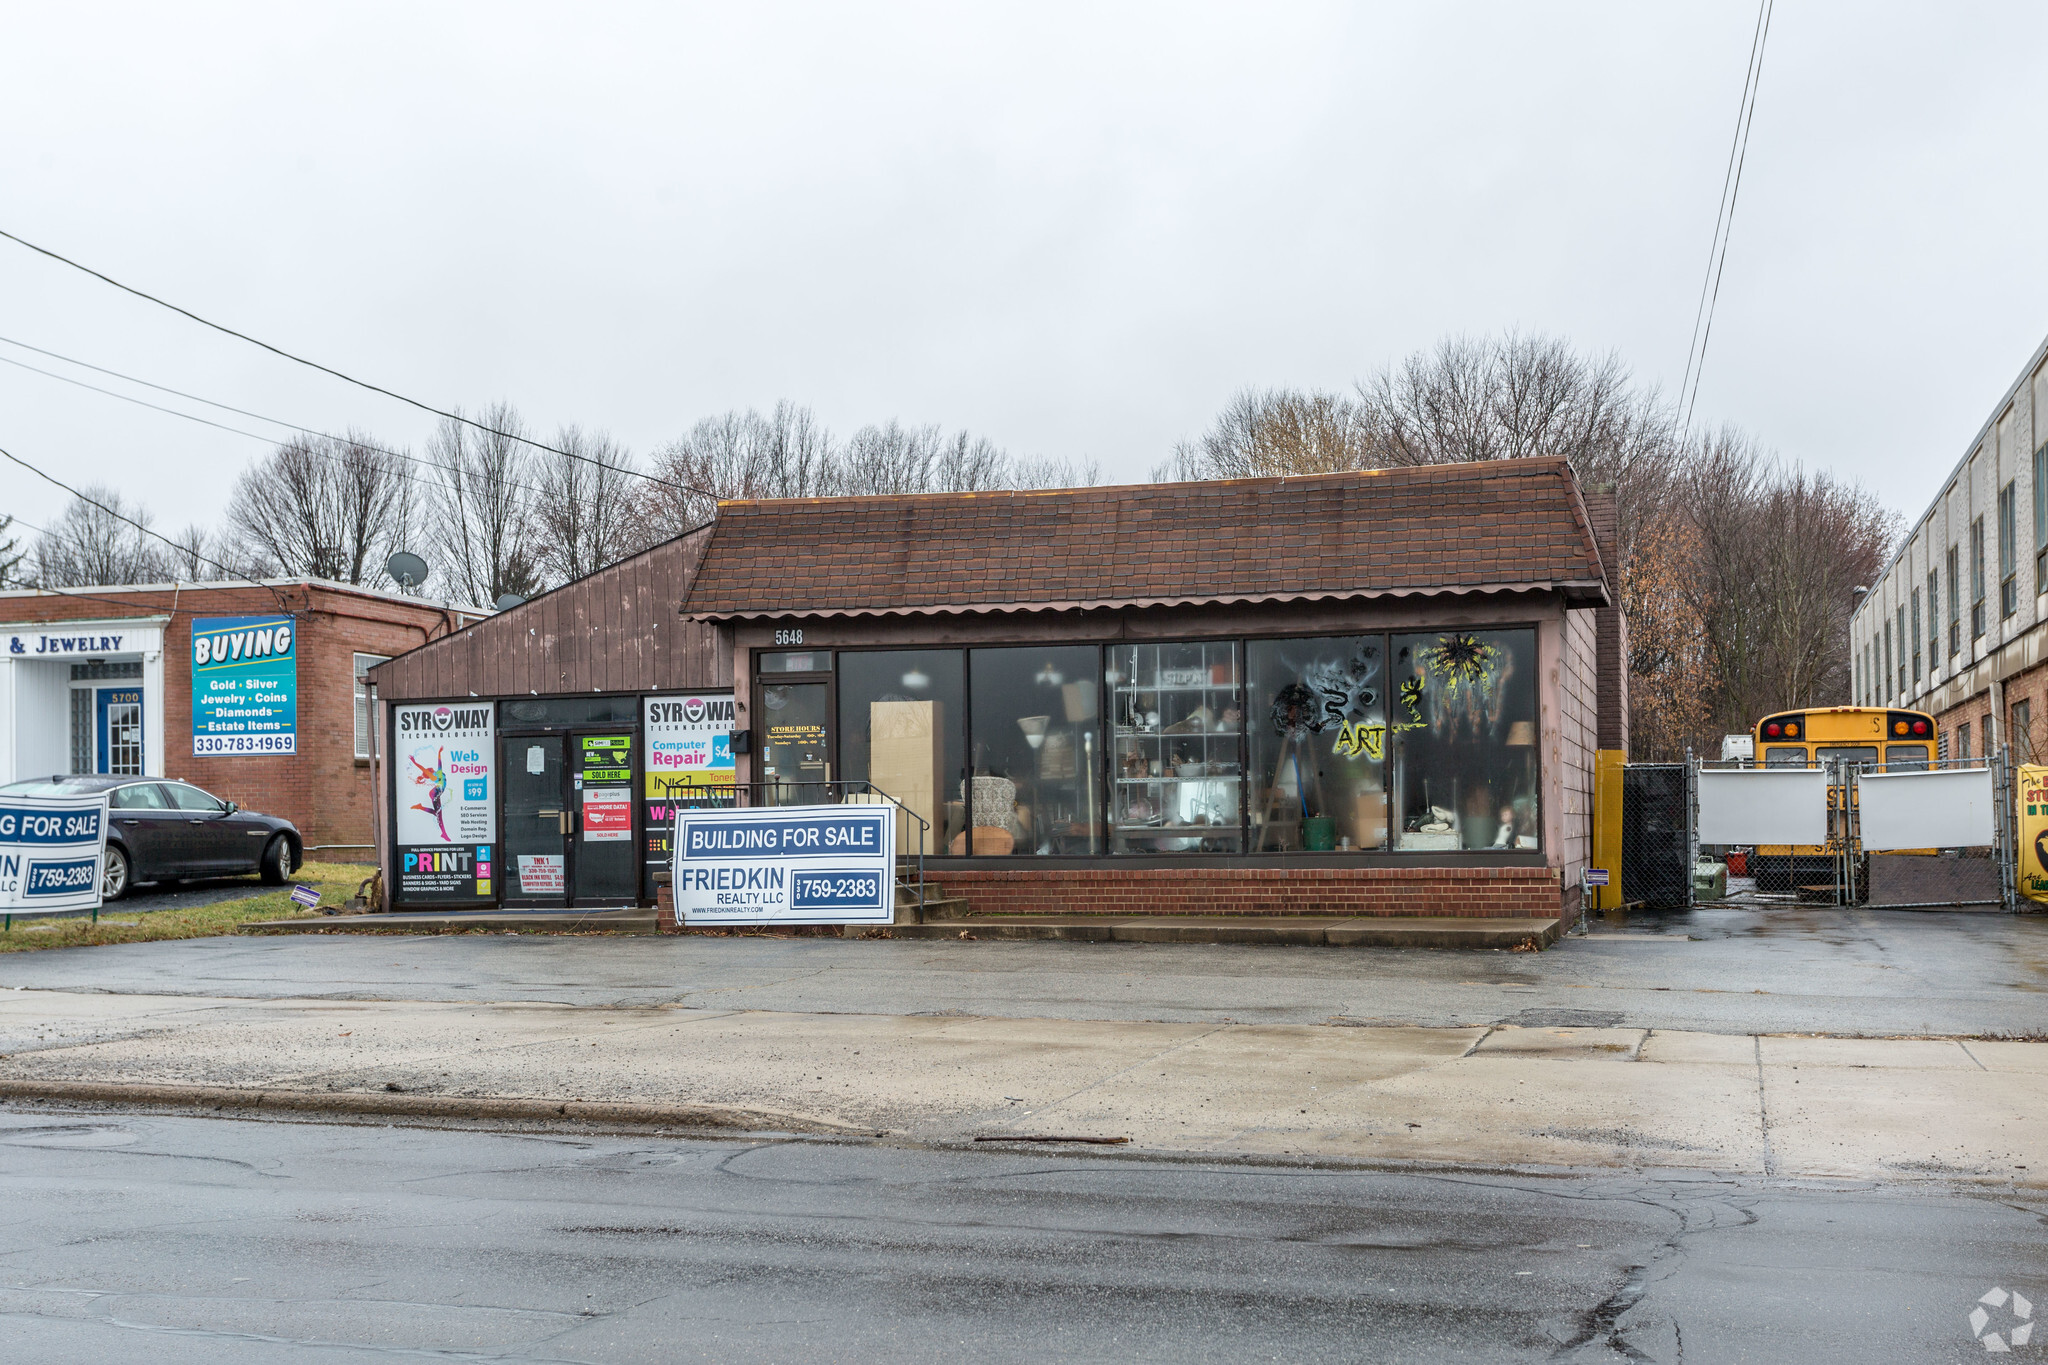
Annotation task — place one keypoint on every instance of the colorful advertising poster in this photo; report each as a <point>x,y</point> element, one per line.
<point>51,848</point>
<point>446,822</point>
<point>689,744</point>
<point>245,685</point>
<point>606,783</point>
<point>786,865</point>
<point>2033,822</point>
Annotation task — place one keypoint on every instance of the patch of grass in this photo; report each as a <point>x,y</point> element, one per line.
<point>336,883</point>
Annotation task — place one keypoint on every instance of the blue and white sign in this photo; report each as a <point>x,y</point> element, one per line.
<point>786,865</point>
<point>50,853</point>
<point>245,685</point>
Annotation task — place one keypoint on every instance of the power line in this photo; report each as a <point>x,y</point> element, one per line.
<point>345,378</point>
<point>237,431</point>
<point>189,551</point>
<point>1724,214</point>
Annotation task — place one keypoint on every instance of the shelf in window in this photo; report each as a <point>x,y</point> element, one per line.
<point>1212,777</point>
<point>1126,689</point>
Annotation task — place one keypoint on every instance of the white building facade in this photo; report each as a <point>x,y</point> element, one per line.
<point>1957,624</point>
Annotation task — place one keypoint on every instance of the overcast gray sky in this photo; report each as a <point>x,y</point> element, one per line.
<point>1075,230</point>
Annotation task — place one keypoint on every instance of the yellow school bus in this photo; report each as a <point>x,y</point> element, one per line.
<point>1818,736</point>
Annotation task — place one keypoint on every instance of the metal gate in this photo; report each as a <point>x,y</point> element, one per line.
<point>1936,835</point>
<point>1659,842</point>
<point>1929,836</point>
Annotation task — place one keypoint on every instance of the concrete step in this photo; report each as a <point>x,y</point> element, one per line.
<point>626,920</point>
<point>1382,931</point>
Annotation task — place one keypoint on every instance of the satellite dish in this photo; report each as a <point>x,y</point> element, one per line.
<point>509,601</point>
<point>409,569</point>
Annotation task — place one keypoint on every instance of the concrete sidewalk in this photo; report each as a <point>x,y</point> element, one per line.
<point>1492,1096</point>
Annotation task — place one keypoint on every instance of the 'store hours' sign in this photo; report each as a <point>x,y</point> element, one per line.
<point>786,865</point>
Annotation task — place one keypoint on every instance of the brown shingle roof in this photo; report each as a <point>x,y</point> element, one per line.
<point>1483,527</point>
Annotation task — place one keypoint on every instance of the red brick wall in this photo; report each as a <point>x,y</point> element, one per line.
<point>321,789</point>
<point>1479,891</point>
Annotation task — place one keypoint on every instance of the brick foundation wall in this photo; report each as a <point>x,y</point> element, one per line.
<point>1484,891</point>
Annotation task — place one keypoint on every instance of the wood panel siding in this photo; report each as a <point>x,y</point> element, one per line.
<point>617,630</point>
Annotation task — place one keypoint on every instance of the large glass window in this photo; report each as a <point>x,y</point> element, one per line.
<point>1463,720</point>
<point>1177,738</point>
<point>1318,712</point>
<point>1036,762</point>
<point>902,726</point>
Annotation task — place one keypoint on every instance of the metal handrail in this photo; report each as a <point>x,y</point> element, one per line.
<point>735,797</point>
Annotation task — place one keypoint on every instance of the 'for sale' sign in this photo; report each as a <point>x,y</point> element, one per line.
<point>51,848</point>
<point>786,865</point>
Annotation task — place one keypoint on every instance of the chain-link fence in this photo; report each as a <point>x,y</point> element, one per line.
<point>1658,847</point>
<point>1936,836</point>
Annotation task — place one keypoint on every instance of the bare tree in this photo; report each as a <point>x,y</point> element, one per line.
<point>325,507</point>
<point>92,545</point>
<point>11,553</point>
<point>1265,432</point>
<point>784,454</point>
<point>483,513</point>
<point>587,508</point>
<point>1735,567</point>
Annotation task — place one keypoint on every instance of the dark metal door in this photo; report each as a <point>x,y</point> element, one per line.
<point>536,820</point>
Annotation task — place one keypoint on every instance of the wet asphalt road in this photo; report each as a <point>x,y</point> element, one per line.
<point>176,1239</point>
<point>1781,969</point>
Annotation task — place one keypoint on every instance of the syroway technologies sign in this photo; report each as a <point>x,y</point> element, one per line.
<point>245,685</point>
<point>446,820</point>
<point>50,852</point>
<point>786,865</point>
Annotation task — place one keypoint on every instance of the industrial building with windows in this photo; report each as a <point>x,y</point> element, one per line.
<point>1957,624</point>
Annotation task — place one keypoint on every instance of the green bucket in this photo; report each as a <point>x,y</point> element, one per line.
<point>1319,834</point>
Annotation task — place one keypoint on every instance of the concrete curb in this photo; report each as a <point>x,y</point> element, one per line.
<point>1393,931</point>
<point>405,1104</point>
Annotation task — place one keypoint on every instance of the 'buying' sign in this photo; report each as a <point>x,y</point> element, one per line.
<point>245,685</point>
<point>447,817</point>
<point>51,848</point>
<point>786,865</point>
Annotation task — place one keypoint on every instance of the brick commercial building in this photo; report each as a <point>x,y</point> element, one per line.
<point>1957,624</point>
<point>1360,693</point>
<point>249,691</point>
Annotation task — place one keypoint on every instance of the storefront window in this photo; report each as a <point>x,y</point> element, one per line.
<point>1037,771</point>
<point>1463,721</point>
<point>1177,733</point>
<point>902,719</point>
<point>1318,720</point>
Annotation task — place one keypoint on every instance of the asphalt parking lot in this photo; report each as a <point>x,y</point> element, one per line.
<point>1771,969</point>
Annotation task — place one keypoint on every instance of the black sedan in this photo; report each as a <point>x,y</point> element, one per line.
<point>162,831</point>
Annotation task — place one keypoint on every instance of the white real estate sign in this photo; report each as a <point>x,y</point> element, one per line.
<point>51,848</point>
<point>1763,806</point>
<point>786,865</point>
<point>1949,809</point>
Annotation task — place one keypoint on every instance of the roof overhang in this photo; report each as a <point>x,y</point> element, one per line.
<point>1580,592</point>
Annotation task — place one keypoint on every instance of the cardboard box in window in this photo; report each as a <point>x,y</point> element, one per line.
<point>903,761</point>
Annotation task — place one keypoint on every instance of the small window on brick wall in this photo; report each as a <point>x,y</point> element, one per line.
<point>365,720</point>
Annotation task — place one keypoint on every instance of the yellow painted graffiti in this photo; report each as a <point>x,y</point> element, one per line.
<point>2033,823</point>
<point>1357,737</point>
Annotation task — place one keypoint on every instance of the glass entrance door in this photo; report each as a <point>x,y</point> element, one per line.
<point>795,743</point>
<point>537,820</point>
<point>605,862</point>
<point>120,731</point>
